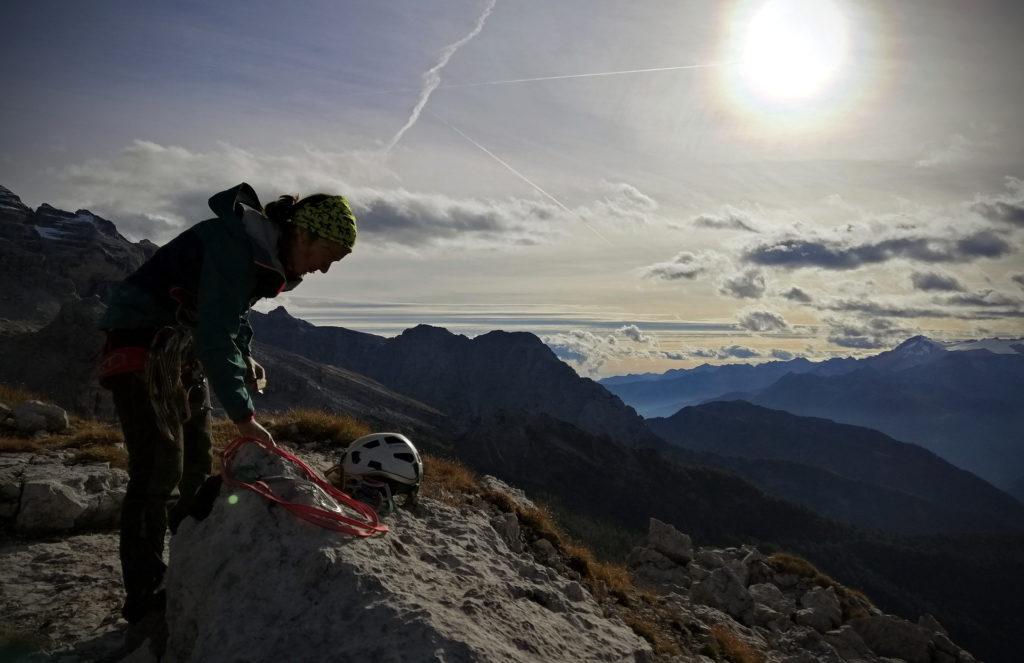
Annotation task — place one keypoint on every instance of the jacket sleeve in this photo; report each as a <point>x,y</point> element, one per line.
<point>244,338</point>
<point>226,278</point>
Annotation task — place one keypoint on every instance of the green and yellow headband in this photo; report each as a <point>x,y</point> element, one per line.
<point>331,218</point>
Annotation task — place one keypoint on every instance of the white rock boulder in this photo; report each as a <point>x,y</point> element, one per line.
<point>33,416</point>
<point>54,497</point>
<point>251,582</point>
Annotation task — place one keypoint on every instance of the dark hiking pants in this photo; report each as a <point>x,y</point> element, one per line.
<point>157,465</point>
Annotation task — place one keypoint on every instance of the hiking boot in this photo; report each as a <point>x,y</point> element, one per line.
<point>151,625</point>
<point>136,607</point>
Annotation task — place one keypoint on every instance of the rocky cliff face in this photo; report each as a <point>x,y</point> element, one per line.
<point>465,377</point>
<point>49,257</point>
<point>295,381</point>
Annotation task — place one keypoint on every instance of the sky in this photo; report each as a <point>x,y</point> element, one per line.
<point>645,186</point>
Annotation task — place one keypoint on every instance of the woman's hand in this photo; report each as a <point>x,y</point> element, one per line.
<point>256,377</point>
<point>252,428</point>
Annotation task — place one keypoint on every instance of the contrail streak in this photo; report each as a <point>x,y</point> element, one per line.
<point>432,79</point>
<point>524,178</point>
<point>561,77</point>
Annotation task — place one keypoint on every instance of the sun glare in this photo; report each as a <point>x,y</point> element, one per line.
<point>792,49</point>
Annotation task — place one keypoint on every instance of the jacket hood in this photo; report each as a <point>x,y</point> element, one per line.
<point>225,204</point>
<point>264,236</point>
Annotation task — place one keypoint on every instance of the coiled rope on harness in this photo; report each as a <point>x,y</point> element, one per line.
<point>368,525</point>
<point>171,354</point>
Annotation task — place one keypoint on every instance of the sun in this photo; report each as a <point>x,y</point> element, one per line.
<point>793,49</point>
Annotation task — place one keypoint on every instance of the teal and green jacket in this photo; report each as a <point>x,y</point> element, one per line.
<point>216,270</point>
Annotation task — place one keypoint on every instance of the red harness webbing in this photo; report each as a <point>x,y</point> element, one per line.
<point>325,518</point>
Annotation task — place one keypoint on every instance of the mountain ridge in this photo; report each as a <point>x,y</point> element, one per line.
<point>742,430</point>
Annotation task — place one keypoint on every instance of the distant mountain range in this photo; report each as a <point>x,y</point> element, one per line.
<point>854,474</point>
<point>661,395</point>
<point>464,377</point>
<point>962,404</point>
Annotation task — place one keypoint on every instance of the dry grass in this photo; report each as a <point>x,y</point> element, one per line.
<point>116,456</point>
<point>86,432</point>
<point>729,645</point>
<point>538,520</point>
<point>662,645</point>
<point>305,426</point>
<point>83,434</point>
<point>12,445</point>
<point>615,577</point>
<point>853,602</point>
<point>798,566</point>
<point>11,442</point>
<point>224,431</point>
<point>11,395</point>
<point>446,480</point>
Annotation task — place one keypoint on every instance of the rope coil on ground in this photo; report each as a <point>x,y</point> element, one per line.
<point>369,525</point>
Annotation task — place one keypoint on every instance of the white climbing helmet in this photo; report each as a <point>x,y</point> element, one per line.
<point>383,456</point>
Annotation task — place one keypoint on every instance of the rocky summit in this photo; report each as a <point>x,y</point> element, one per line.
<point>474,572</point>
<point>475,582</point>
<point>50,256</point>
<point>443,585</point>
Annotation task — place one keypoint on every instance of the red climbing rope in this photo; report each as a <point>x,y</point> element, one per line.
<point>368,526</point>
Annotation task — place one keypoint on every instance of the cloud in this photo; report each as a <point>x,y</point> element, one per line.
<point>633,333</point>
<point>762,321</point>
<point>795,253</point>
<point>870,334</point>
<point>876,308</point>
<point>1018,279</point>
<point>1005,209</point>
<point>728,219</point>
<point>737,352</point>
<point>784,355</point>
<point>984,298</point>
<point>748,285</point>
<point>724,352</point>
<point>416,220</point>
<point>621,203</point>
<point>988,305</point>
<point>795,294</point>
<point>934,281</point>
<point>685,265</point>
<point>957,149</point>
<point>154,191</point>
<point>587,351</point>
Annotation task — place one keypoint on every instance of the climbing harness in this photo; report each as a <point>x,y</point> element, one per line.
<point>368,524</point>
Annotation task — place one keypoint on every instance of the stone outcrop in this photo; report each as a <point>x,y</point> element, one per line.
<point>785,617</point>
<point>256,584</point>
<point>35,416</point>
<point>41,494</point>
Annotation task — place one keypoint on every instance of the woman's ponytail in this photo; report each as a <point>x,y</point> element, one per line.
<point>281,209</point>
